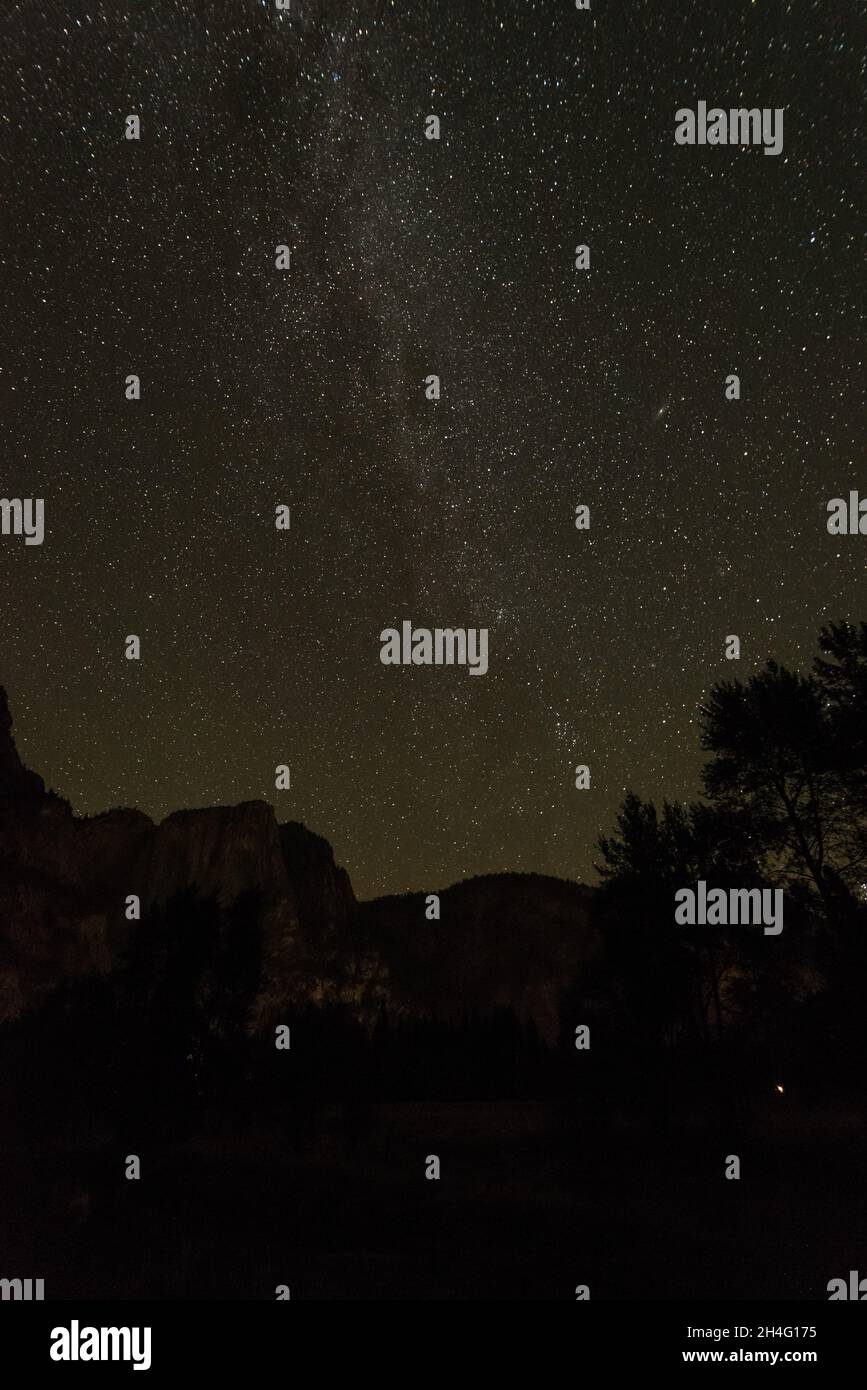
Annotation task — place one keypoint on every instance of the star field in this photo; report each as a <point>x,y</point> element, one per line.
<point>306,388</point>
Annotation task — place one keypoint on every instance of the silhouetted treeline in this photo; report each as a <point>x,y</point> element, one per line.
<point>784,806</point>
<point>168,1045</point>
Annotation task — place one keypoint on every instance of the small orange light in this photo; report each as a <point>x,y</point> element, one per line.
<point>780,1089</point>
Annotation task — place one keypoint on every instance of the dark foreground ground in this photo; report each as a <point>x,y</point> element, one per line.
<point>530,1204</point>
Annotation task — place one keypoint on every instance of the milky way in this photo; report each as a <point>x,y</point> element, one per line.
<point>560,387</point>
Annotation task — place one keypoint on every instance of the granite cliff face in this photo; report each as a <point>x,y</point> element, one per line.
<point>504,941</point>
<point>15,780</point>
<point>223,850</point>
<point>64,879</point>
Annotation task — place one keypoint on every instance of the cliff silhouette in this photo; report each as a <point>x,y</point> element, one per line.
<point>504,941</point>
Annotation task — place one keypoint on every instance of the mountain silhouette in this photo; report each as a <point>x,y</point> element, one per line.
<point>502,941</point>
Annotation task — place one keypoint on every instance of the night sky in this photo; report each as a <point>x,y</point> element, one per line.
<point>306,388</point>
